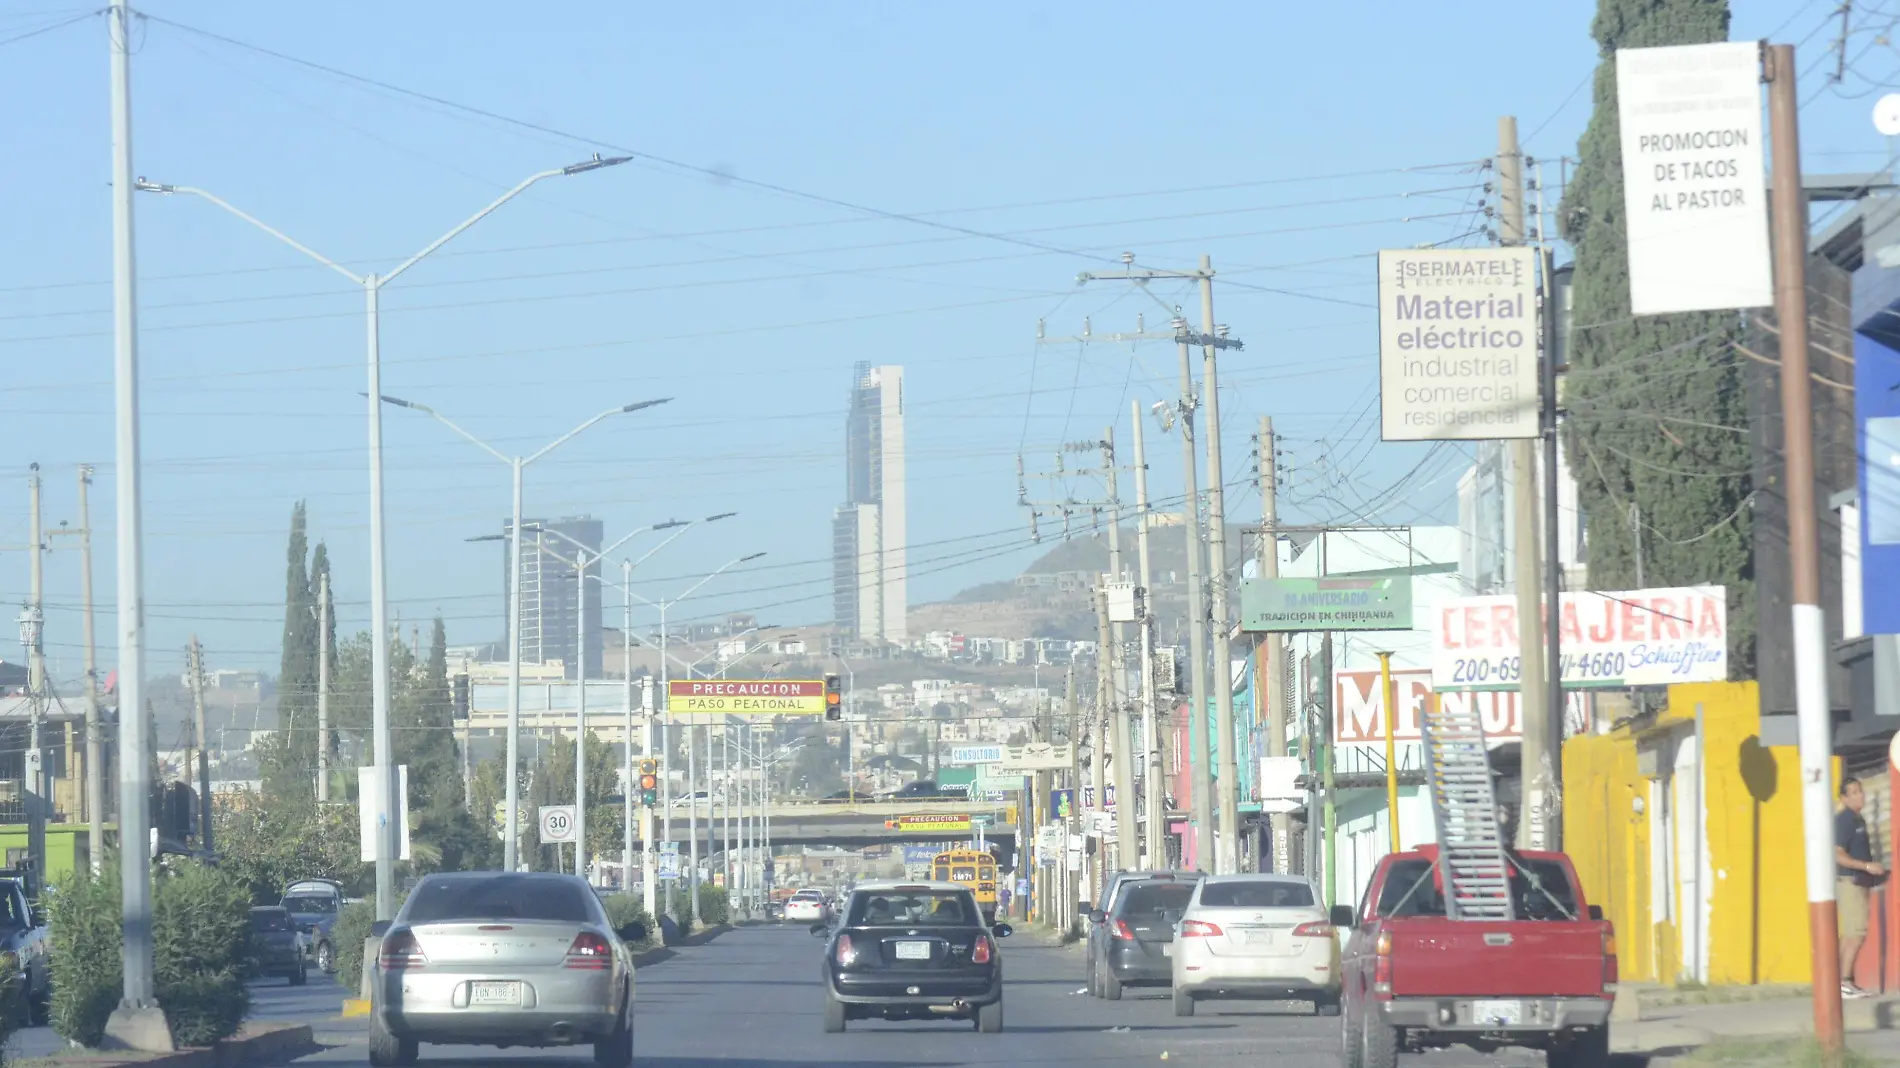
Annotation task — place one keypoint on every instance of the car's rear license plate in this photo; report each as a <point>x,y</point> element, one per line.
<point>1258,937</point>
<point>1497,1013</point>
<point>494,993</point>
<point>913,951</point>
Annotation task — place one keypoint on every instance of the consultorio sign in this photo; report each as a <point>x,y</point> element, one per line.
<point>1458,342</point>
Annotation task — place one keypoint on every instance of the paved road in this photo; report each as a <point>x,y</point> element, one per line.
<point>750,999</point>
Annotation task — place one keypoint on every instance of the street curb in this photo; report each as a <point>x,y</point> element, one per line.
<point>269,1044</point>
<point>701,937</point>
<point>654,956</point>
<point>354,1007</point>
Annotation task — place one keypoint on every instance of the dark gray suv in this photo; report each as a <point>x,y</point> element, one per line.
<point>1105,948</point>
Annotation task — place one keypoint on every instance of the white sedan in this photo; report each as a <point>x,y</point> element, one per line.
<point>806,906</point>
<point>1258,937</point>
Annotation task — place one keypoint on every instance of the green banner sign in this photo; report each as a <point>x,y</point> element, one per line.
<point>1316,604</point>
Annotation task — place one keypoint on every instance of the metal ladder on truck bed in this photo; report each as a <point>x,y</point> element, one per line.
<point>1474,871</point>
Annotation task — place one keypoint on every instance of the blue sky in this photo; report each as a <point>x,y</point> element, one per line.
<point>1289,142</point>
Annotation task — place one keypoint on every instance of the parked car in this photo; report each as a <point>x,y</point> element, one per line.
<point>502,959</point>
<point>1261,937</point>
<point>1415,979</point>
<point>23,934</point>
<point>1100,934</point>
<point>277,946</point>
<point>807,906</point>
<point>1134,933</point>
<point>912,951</point>
<point>313,905</point>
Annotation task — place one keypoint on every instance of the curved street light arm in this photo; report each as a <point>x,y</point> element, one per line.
<point>154,187</point>
<point>470,221</point>
<point>447,422</point>
<point>569,436</point>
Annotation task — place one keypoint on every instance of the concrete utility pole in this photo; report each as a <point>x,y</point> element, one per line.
<point>1527,573</point>
<point>32,627</point>
<point>1271,673</point>
<point>649,876</point>
<point>1098,727</point>
<point>199,737</point>
<point>1213,338</point>
<point>1201,778</point>
<point>95,740</point>
<point>1790,229</point>
<point>1154,796</point>
<point>1126,796</point>
<point>137,1023</point>
<point>323,688</point>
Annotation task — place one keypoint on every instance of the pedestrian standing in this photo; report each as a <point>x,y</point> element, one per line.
<point>1855,873</point>
<point>1002,897</point>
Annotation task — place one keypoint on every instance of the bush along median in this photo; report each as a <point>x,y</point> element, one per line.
<point>201,939</point>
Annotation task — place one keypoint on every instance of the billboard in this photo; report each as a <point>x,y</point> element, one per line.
<point>1036,756</point>
<point>1359,709</point>
<point>745,697</point>
<point>1458,341</point>
<point>1609,639</point>
<point>975,754</point>
<point>1316,604</point>
<point>1695,203</point>
<point>932,823</point>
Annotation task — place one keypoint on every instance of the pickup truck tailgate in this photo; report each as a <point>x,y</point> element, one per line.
<point>1434,957</point>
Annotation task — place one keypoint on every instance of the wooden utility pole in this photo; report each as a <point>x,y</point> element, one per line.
<point>1527,573</point>
<point>204,753</point>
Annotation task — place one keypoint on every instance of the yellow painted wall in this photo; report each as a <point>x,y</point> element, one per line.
<point>1758,922</point>
<point>66,846</point>
<point>1609,843</point>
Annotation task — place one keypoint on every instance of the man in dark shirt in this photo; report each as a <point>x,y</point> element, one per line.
<point>1854,871</point>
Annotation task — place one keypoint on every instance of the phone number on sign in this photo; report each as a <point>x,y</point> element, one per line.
<point>1586,667</point>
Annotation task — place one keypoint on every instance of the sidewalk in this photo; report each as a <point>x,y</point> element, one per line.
<point>1671,1029</point>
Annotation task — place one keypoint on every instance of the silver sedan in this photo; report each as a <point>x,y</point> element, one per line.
<point>500,959</point>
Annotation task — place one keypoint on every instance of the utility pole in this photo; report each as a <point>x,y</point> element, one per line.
<point>138,1022</point>
<point>1227,837</point>
<point>1154,797</point>
<point>649,877</point>
<point>1126,835</point>
<point>199,736</point>
<point>323,690</point>
<point>580,714</point>
<point>1270,675</point>
<point>1789,227</point>
<point>95,740</point>
<point>1534,808</point>
<point>1326,773</point>
<point>1098,733</point>
<point>32,627</point>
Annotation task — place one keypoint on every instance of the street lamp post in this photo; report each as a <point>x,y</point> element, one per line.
<point>692,809</point>
<point>372,285</point>
<point>511,809</point>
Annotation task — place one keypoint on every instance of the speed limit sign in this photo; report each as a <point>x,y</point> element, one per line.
<point>557,824</point>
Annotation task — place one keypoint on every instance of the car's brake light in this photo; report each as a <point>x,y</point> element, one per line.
<point>1609,961</point>
<point>980,952</point>
<point>1382,966</point>
<point>847,953</point>
<point>400,951</point>
<point>1316,929</point>
<point>1123,932</point>
<point>1200,929</point>
<point>590,952</point>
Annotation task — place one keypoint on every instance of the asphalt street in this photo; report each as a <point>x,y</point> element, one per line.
<point>751,999</point>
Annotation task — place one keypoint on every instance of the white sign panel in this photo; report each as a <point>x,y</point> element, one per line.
<point>557,824</point>
<point>371,809</point>
<point>1695,204</point>
<point>1278,792</point>
<point>1620,638</point>
<point>975,754</point>
<point>1036,756</point>
<point>1458,341</point>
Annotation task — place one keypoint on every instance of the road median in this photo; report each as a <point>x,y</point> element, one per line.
<point>255,1044</point>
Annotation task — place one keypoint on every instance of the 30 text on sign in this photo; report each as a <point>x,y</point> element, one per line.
<point>745,697</point>
<point>1694,199</point>
<point>1458,339</point>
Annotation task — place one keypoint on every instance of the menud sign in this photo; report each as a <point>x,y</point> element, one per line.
<point>1359,708</point>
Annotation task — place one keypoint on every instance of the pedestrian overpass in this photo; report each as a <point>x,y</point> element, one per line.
<point>860,823</point>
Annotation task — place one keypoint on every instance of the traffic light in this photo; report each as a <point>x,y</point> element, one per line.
<point>649,783</point>
<point>834,700</point>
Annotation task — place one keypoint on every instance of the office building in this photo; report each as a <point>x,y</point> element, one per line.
<point>551,600</point>
<point>870,601</point>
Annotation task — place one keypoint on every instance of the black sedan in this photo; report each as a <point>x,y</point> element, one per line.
<point>277,946</point>
<point>912,951</point>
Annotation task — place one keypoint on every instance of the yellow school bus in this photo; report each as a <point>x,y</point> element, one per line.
<point>973,867</point>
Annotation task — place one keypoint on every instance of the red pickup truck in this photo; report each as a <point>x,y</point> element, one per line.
<point>1414,979</point>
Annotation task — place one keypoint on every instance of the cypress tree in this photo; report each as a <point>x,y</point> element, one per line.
<point>1658,404</point>
<point>290,761</point>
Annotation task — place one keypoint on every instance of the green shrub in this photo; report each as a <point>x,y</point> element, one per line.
<point>346,938</point>
<point>713,907</point>
<point>629,910</point>
<point>201,928</point>
<point>88,979</point>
